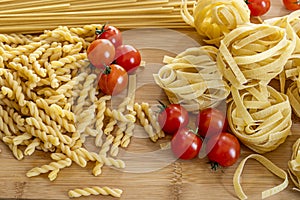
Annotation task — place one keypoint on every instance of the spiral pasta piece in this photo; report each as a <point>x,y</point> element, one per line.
<point>92,156</point>
<point>73,155</point>
<point>86,30</point>
<point>38,52</point>
<point>58,156</point>
<point>95,191</point>
<point>254,54</point>
<point>192,79</point>
<point>101,106</point>
<point>42,135</point>
<point>8,120</point>
<point>14,85</point>
<point>49,167</point>
<point>41,103</point>
<point>32,146</point>
<point>118,138</point>
<point>97,169</point>
<point>128,132</point>
<point>67,60</point>
<point>106,145</point>
<point>213,19</point>
<point>17,39</point>
<point>17,140</point>
<point>260,117</point>
<point>38,124</point>
<point>152,119</point>
<point>53,174</point>
<point>144,122</point>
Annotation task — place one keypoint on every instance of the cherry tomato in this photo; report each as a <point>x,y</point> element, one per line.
<point>111,33</point>
<point>211,121</point>
<point>291,4</point>
<point>173,117</point>
<point>128,57</point>
<point>185,144</point>
<point>258,7</point>
<point>113,80</point>
<point>101,53</point>
<point>223,149</point>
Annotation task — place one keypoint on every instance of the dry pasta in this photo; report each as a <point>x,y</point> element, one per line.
<point>145,122</point>
<point>48,101</point>
<point>38,15</point>
<point>152,119</point>
<point>270,166</point>
<point>193,79</point>
<point>260,117</point>
<point>291,70</point>
<point>254,54</point>
<point>213,19</point>
<point>50,167</point>
<point>294,164</point>
<point>95,191</point>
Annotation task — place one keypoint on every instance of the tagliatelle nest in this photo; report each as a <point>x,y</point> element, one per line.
<point>193,79</point>
<point>291,72</point>
<point>260,117</point>
<point>215,18</point>
<point>294,164</point>
<point>254,54</point>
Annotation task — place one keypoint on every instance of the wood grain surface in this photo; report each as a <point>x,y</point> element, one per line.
<point>150,173</point>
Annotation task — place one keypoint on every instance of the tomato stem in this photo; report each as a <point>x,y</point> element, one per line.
<point>196,132</point>
<point>215,166</point>
<point>107,70</point>
<point>162,106</point>
<point>99,32</point>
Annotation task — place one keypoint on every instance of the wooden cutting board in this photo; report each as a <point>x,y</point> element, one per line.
<point>150,172</point>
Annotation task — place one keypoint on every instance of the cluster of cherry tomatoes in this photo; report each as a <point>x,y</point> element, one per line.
<point>261,7</point>
<point>115,59</point>
<point>221,147</point>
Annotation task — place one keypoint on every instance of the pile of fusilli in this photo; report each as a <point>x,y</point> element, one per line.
<point>49,101</point>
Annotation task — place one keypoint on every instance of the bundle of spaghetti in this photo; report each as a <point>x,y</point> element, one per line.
<point>192,79</point>
<point>260,117</point>
<point>254,54</point>
<point>36,16</point>
<point>215,18</point>
<point>294,164</point>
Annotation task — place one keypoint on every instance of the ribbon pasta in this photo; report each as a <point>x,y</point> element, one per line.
<point>270,166</point>
<point>260,117</point>
<point>291,70</point>
<point>254,54</point>
<point>193,79</point>
<point>294,164</point>
<point>213,19</point>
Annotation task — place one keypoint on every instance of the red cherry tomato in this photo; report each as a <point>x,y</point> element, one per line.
<point>291,4</point>
<point>223,149</point>
<point>113,80</point>
<point>211,121</point>
<point>258,7</point>
<point>111,33</point>
<point>128,57</point>
<point>172,118</point>
<point>101,53</point>
<point>185,144</point>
